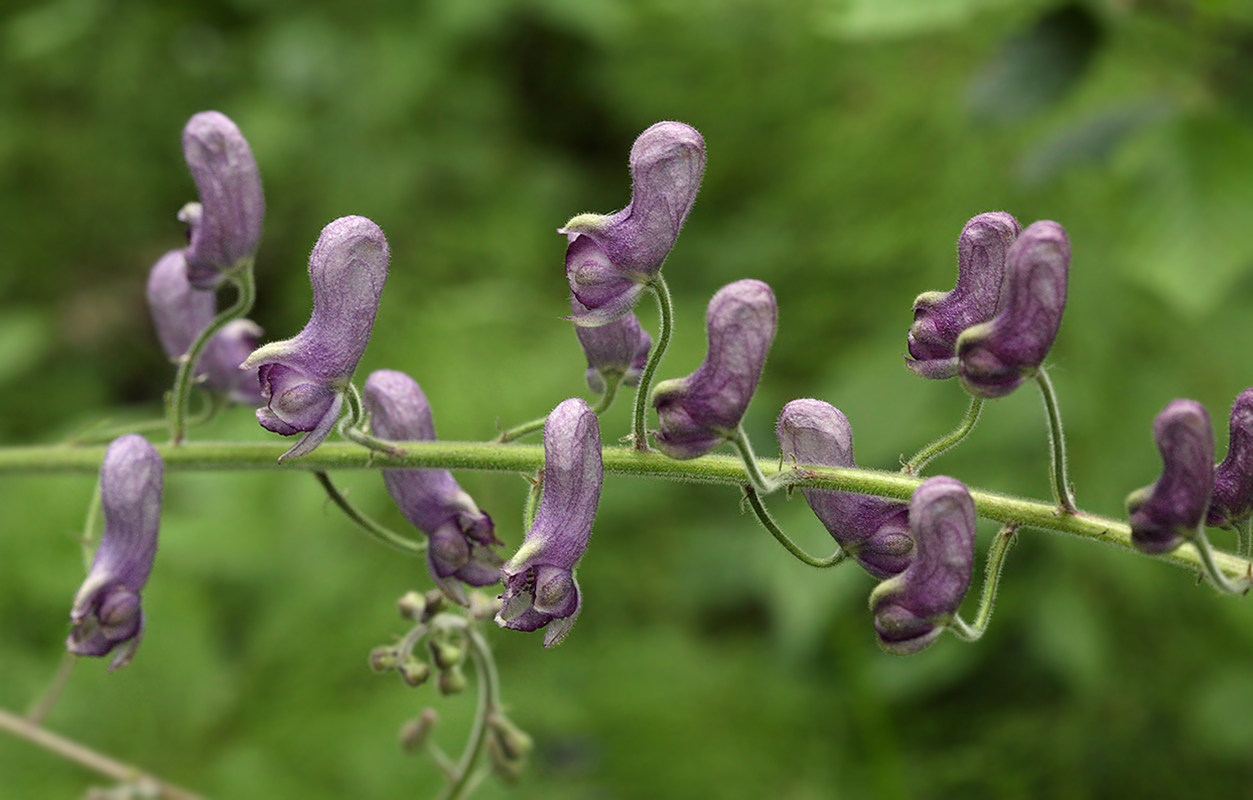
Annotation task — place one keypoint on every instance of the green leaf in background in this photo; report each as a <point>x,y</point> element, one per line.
<point>1188,211</point>
<point>872,19</point>
<point>24,338</point>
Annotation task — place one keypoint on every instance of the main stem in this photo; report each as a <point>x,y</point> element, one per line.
<point>526,458</point>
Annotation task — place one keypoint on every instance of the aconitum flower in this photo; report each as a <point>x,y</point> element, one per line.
<point>911,609</point>
<point>1233,478</point>
<point>995,357</point>
<point>612,258</point>
<point>617,351</point>
<point>1170,512</point>
<point>873,530</point>
<point>460,535</point>
<point>107,613</point>
<point>225,226</point>
<point>180,312</point>
<point>940,317</point>
<point>700,412</point>
<point>540,586</point>
<point>305,378</point>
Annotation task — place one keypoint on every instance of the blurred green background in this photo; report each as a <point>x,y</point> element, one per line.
<point>848,142</point>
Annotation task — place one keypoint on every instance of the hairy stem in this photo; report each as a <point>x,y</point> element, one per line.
<point>991,583</point>
<point>1057,444</point>
<point>782,538</point>
<point>941,446</point>
<point>665,309</point>
<point>384,535</point>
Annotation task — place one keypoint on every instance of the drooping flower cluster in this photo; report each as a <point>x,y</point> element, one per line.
<point>304,378</point>
<point>460,536</point>
<point>612,258</point>
<point>107,614</point>
<point>541,590</point>
<point>995,328</point>
<point>700,412</point>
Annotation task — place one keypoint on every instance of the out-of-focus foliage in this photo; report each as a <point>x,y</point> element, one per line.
<point>848,142</point>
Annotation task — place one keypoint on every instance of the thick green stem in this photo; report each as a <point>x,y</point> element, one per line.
<point>665,309</point>
<point>1057,444</point>
<point>245,294</point>
<point>782,538</point>
<point>525,458</point>
<point>940,446</point>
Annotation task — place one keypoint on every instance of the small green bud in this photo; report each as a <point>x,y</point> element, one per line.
<point>415,672</point>
<point>436,601</point>
<point>508,747</point>
<point>411,606</point>
<point>415,733</point>
<point>384,658</point>
<point>452,681</point>
<point>446,654</point>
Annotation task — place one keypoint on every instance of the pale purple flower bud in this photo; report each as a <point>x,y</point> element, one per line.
<point>940,317</point>
<point>540,587</point>
<point>1170,511</point>
<point>460,535</point>
<point>700,412</point>
<point>873,530</point>
<point>1233,478</point>
<point>225,226</point>
<point>180,312</point>
<point>911,609</point>
<point>611,258</point>
<point>616,351</point>
<point>107,613</point>
<point>304,378</point>
<point>995,357</point>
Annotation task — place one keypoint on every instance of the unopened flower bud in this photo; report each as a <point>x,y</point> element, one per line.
<point>616,351</point>
<point>383,659</point>
<point>445,654</point>
<point>913,608</point>
<point>415,733</point>
<point>700,412</point>
<point>508,747</point>
<point>411,605</point>
<point>414,671</point>
<point>1170,512</point>
<point>452,681</point>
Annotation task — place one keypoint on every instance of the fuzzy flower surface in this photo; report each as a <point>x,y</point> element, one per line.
<point>997,356</point>
<point>180,312</point>
<point>940,317</point>
<point>700,412</point>
<point>913,608</point>
<point>304,378</point>
<point>873,530</point>
<point>611,258</point>
<point>460,535</point>
<point>616,352</point>
<point>1233,478</point>
<point>107,613</point>
<point>1170,511</point>
<point>225,226</point>
<point>540,586</point>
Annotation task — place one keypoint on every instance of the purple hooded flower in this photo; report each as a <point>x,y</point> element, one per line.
<point>700,412</point>
<point>940,317</point>
<point>225,226</point>
<point>1233,478</point>
<point>180,312</point>
<point>612,258</point>
<point>107,613</point>
<point>873,530</point>
<point>1169,512</point>
<point>540,587</point>
<point>911,609</point>
<point>304,378</point>
<point>460,535</point>
<point>616,351</point>
<point>995,357</point>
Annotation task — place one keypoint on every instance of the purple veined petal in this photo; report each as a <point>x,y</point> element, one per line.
<point>615,351</point>
<point>1233,478</point>
<point>603,293</point>
<point>107,614</point>
<point>1170,511</point>
<point>997,356</point>
<point>873,530</point>
<point>913,608</point>
<point>940,317</point>
<point>540,587</point>
<point>700,412</point>
<point>225,228</point>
